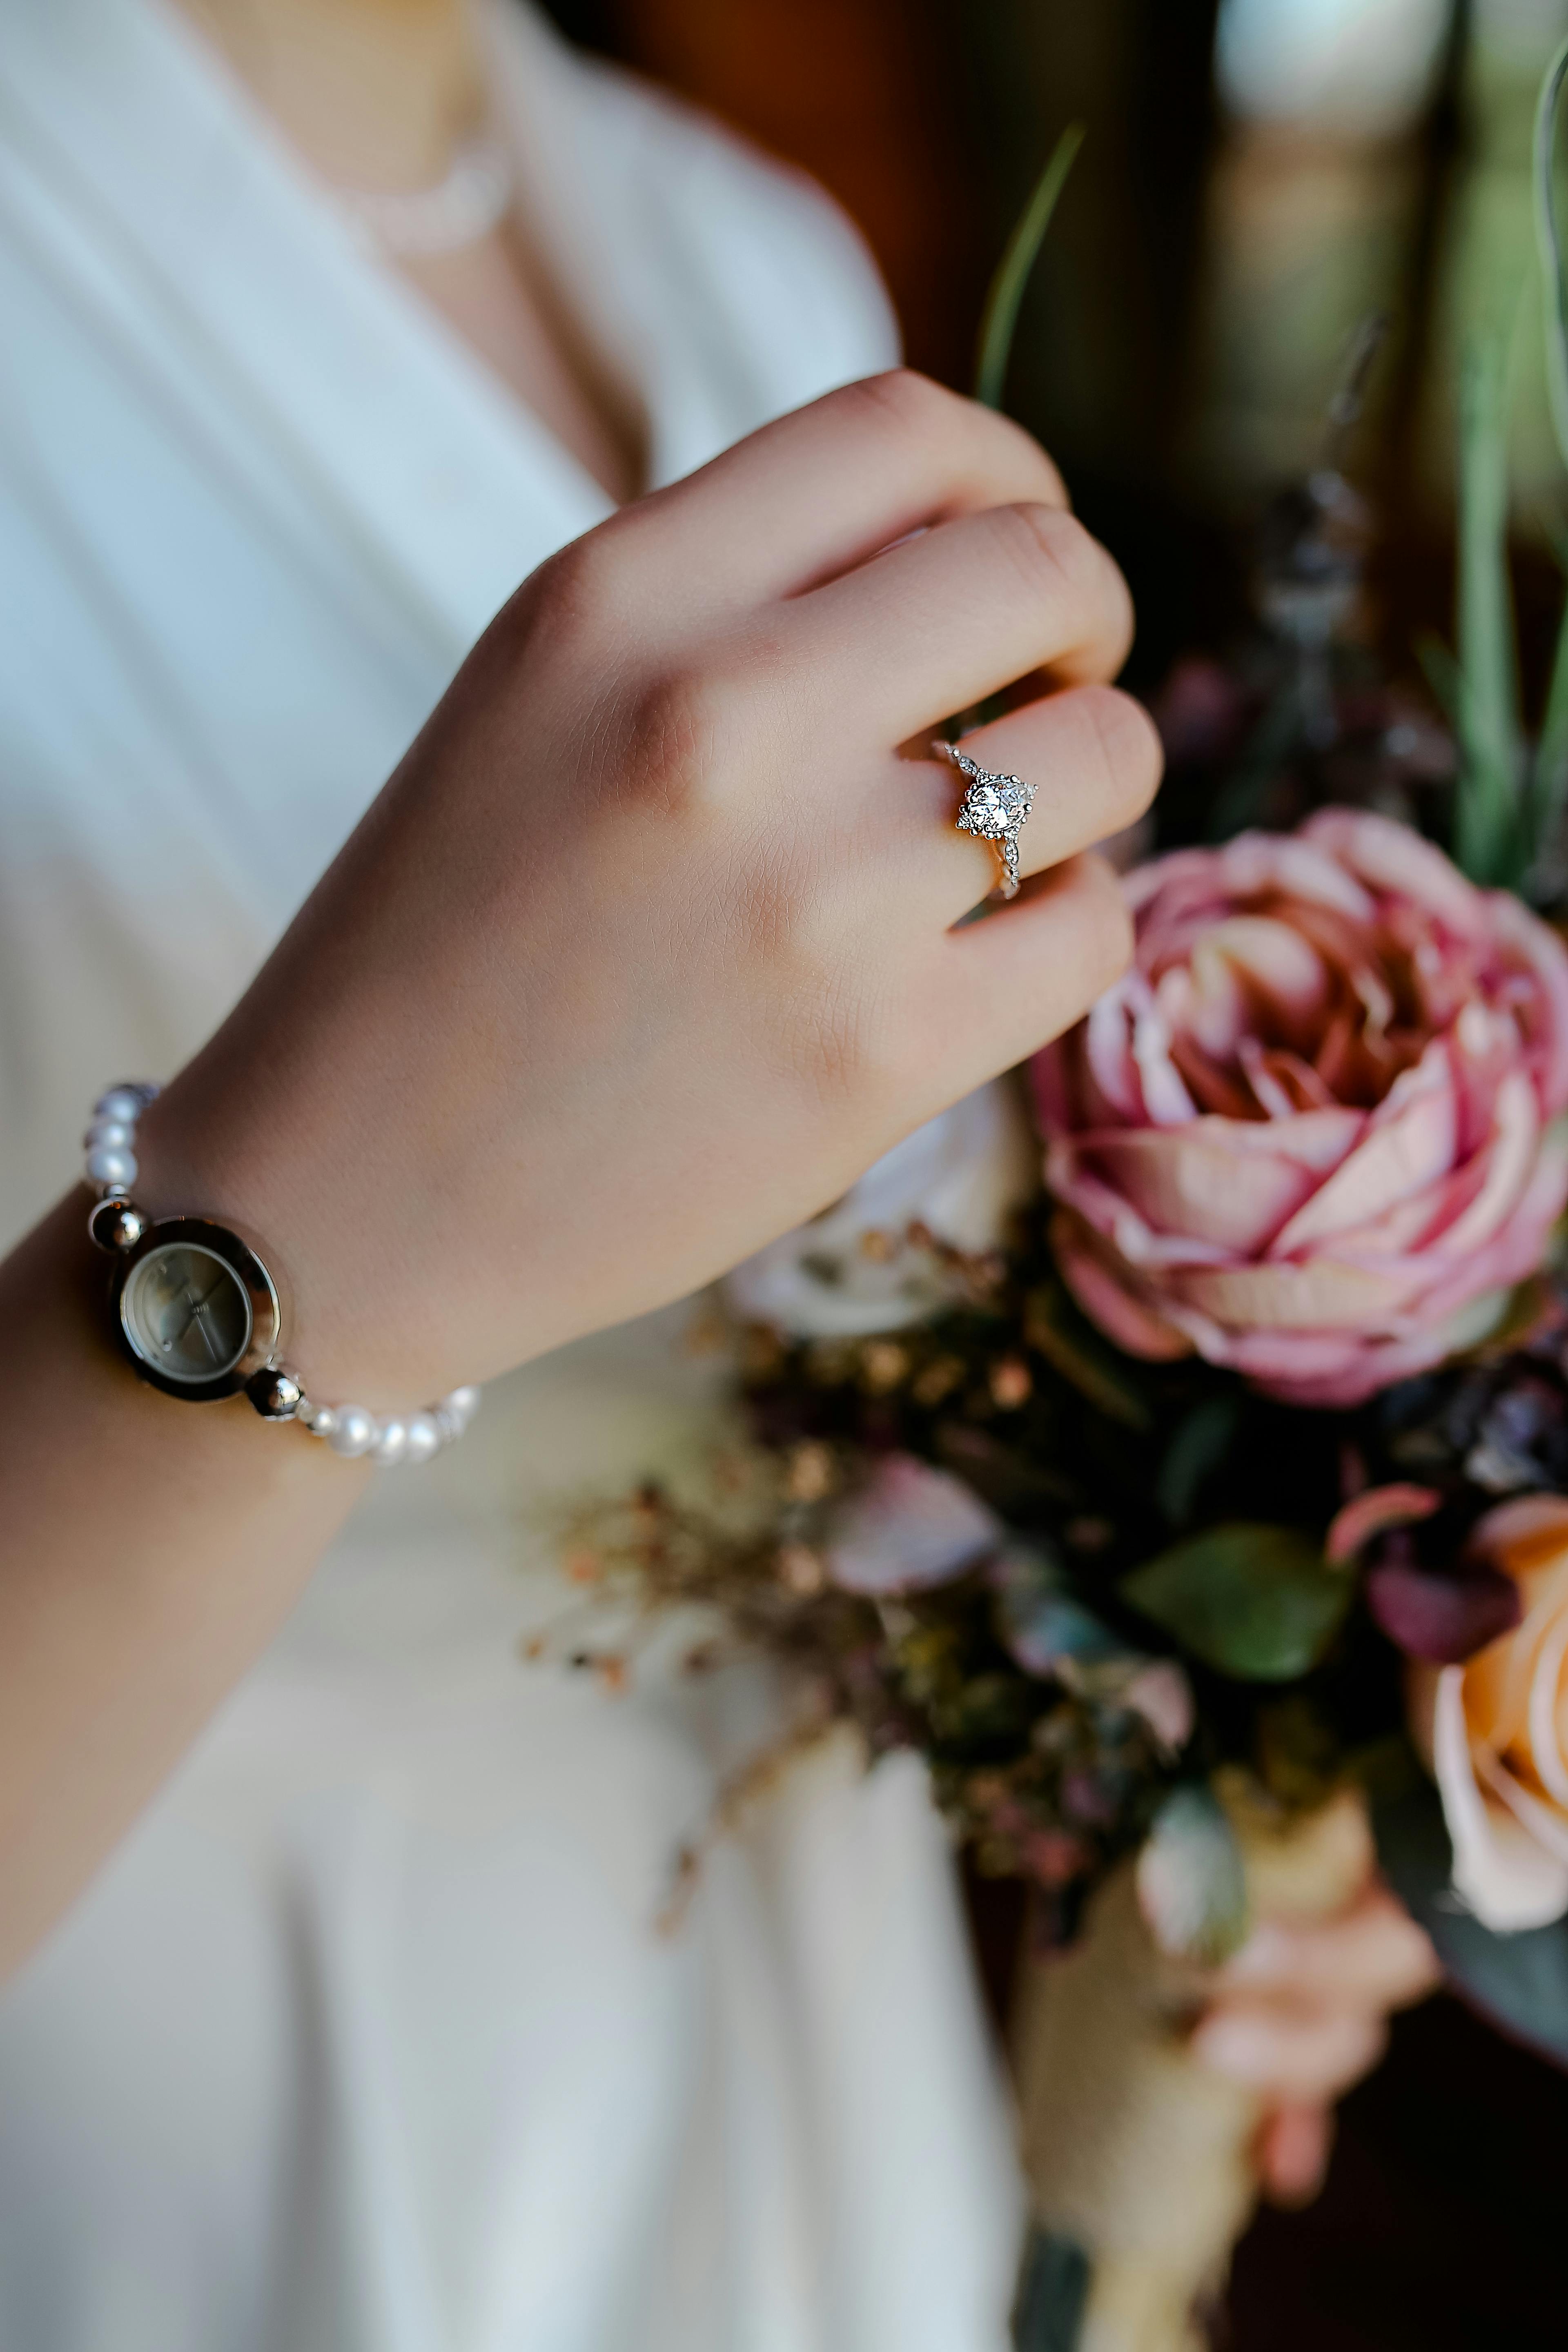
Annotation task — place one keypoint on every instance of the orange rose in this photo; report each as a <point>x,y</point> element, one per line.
<point>1496,1729</point>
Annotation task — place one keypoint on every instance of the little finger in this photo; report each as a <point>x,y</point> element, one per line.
<point>1294,2144</point>
<point>1291,2052</point>
<point>995,991</point>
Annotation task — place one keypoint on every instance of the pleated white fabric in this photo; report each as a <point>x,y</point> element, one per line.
<point>365,2040</point>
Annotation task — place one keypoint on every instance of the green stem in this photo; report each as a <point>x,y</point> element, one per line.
<point>1549,245</point>
<point>1488,837</point>
<point>999,319</point>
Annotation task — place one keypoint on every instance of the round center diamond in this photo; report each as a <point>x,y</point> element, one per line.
<point>995,808</point>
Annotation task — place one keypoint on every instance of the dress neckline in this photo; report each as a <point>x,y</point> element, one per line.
<point>529,75</point>
<point>162,202</point>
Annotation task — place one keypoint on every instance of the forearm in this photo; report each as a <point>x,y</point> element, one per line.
<point>620,978</point>
<point>148,1550</point>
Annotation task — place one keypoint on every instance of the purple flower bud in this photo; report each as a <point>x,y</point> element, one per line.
<point>1444,1619</point>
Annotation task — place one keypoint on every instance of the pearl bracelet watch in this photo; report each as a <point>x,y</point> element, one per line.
<point>198,1315</point>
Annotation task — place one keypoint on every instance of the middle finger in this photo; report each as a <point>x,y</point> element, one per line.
<point>939,622</point>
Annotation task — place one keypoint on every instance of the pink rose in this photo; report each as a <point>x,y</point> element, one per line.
<point>1309,1133</point>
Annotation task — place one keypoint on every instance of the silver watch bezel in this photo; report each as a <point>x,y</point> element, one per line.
<point>250,1272</point>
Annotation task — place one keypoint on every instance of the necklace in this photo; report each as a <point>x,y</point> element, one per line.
<point>458,210</point>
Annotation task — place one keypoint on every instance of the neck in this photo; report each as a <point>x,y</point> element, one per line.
<point>376,94</point>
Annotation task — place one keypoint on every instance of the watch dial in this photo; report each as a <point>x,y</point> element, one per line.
<point>185,1313</point>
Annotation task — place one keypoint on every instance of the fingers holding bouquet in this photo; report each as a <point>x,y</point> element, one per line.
<point>1301,2015</point>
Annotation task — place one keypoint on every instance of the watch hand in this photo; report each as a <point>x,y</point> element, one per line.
<point>216,1354</point>
<point>196,1310</point>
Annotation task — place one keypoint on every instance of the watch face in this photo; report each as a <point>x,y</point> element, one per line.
<point>185,1313</point>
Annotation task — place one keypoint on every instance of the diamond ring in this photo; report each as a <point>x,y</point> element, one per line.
<point>994,807</point>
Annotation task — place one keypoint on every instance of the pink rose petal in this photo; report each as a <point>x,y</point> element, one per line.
<point>1322,1251</point>
<point>1118,1314</point>
<point>1372,1512</point>
<point>1389,857</point>
<point>1321,1295</point>
<point>1408,1142</point>
<point>1543,964</point>
<point>910,1526</point>
<point>1193,1179</point>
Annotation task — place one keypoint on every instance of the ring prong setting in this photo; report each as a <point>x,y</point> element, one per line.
<point>994,808</point>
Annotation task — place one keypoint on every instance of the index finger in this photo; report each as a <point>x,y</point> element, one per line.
<point>823,490</point>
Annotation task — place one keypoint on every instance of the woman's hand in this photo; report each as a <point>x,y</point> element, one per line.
<point>1300,2014</point>
<point>648,948</point>
<point>643,954</point>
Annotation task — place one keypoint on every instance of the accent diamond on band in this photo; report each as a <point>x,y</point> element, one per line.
<point>994,807</point>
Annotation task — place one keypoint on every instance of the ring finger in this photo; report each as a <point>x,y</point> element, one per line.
<point>1091,752</point>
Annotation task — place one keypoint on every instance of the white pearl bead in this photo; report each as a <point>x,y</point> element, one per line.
<point>107,1134</point>
<point>353,1429</point>
<point>423,1438</point>
<point>111,1166</point>
<point>119,1104</point>
<point>462,1404</point>
<point>318,1419</point>
<point>389,1445</point>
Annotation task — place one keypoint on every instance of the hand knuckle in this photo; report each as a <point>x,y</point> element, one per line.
<point>678,724</point>
<point>839,1039</point>
<point>1065,565</point>
<point>837,1047</point>
<point>582,582</point>
<point>1053,553</point>
<point>829,1048</point>
<point>905,399</point>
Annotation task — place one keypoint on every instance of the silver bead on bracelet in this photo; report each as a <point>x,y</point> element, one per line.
<point>199,1314</point>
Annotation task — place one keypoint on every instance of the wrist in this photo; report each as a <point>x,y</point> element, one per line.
<point>208,1305</point>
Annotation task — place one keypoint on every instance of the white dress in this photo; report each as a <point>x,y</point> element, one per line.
<point>365,2040</point>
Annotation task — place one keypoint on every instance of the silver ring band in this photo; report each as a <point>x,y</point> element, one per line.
<point>995,808</point>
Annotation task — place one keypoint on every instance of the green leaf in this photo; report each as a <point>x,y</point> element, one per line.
<point>999,319</point>
<point>1256,1601</point>
<point>1549,245</point>
<point>1550,794</point>
<point>1519,1980</point>
<point>1192,1878</point>
<point>1442,674</point>
<point>1551,783</point>
<point>1200,1443</point>
<point>1053,2292</point>
<point>1490,840</point>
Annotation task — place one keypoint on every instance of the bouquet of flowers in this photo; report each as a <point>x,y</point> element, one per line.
<point>1180,1465</point>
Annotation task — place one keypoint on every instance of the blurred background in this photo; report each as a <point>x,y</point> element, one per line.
<point>1259,175</point>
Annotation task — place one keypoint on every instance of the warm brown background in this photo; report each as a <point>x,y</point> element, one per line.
<point>1445,2225</point>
